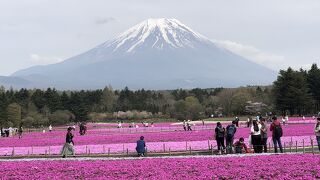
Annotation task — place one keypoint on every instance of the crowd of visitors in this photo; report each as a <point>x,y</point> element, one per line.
<point>225,136</point>
<point>258,136</point>
<point>187,125</point>
<point>9,132</point>
<point>133,125</point>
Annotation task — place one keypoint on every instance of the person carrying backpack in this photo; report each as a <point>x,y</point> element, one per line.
<point>219,135</point>
<point>231,130</point>
<point>276,130</point>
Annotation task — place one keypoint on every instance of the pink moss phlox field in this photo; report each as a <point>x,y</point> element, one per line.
<point>119,140</point>
<point>95,136</point>
<point>152,146</point>
<point>293,166</point>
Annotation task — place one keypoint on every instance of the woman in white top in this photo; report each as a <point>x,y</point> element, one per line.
<point>256,137</point>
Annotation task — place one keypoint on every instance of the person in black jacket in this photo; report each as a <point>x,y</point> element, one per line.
<point>68,146</point>
<point>219,135</point>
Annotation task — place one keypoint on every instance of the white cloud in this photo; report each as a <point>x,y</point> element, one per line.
<point>44,60</point>
<point>104,20</point>
<point>272,61</point>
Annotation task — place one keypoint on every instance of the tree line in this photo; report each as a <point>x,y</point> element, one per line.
<point>294,92</point>
<point>297,92</point>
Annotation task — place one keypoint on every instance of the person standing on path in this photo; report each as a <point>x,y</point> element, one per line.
<point>219,136</point>
<point>189,125</point>
<point>237,121</point>
<point>20,131</point>
<point>264,135</point>
<point>317,132</point>
<point>256,137</point>
<point>184,125</point>
<point>231,131</point>
<point>50,128</point>
<point>276,134</point>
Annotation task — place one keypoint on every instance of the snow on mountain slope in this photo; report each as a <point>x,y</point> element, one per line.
<point>155,54</point>
<point>164,32</point>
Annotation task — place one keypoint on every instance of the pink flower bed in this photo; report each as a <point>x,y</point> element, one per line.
<point>151,146</point>
<point>94,137</point>
<point>293,166</point>
<point>119,140</point>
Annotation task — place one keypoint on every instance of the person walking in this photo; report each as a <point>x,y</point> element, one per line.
<point>184,125</point>
<point>231,130</point>
<point>189,125</point>
<point>219,135</point>
<point>20,131</point>
<point>141,147</point>
<point>50,128</point>
<point>264,135</point>
<point>68,146</point>
<point>276,134</point>
<point>81,129</point>
<point>317,132</point>
<point>256,137</point>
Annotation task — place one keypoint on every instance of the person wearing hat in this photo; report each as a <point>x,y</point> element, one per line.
<point>68,146</point>
<point>141,147</point>
<point>317,131</point>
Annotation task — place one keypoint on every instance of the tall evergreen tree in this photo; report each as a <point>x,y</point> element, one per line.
<point>38,99</point>
<point>291,92</point>
<point>3,109</point>
<point>14,114</point>
<point>52,100</point>
<point>313,79</point>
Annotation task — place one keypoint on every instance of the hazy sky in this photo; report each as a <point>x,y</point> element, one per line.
<point>270,32</point>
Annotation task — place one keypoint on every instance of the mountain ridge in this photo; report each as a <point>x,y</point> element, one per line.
<point>154,54</point>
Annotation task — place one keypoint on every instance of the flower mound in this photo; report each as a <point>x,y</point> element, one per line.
<point>286,166</point>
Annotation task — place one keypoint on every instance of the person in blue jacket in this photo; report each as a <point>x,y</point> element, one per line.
<point>141,147</point>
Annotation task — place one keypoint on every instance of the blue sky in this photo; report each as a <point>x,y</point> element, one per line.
<point>274,33</point>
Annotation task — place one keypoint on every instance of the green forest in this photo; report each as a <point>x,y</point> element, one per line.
<point>294,92</point>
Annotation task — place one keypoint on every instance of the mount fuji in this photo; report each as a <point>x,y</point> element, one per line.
<point>154,54</point>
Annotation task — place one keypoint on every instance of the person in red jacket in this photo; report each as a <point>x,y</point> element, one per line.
<point>276,130</point>
<point>240,147</point>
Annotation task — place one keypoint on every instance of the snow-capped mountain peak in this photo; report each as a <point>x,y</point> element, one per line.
<point>158,33</point>
<point>154,54</point>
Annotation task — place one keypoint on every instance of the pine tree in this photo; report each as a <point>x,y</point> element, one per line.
<point>313,79</point>
<point>14,114</point>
